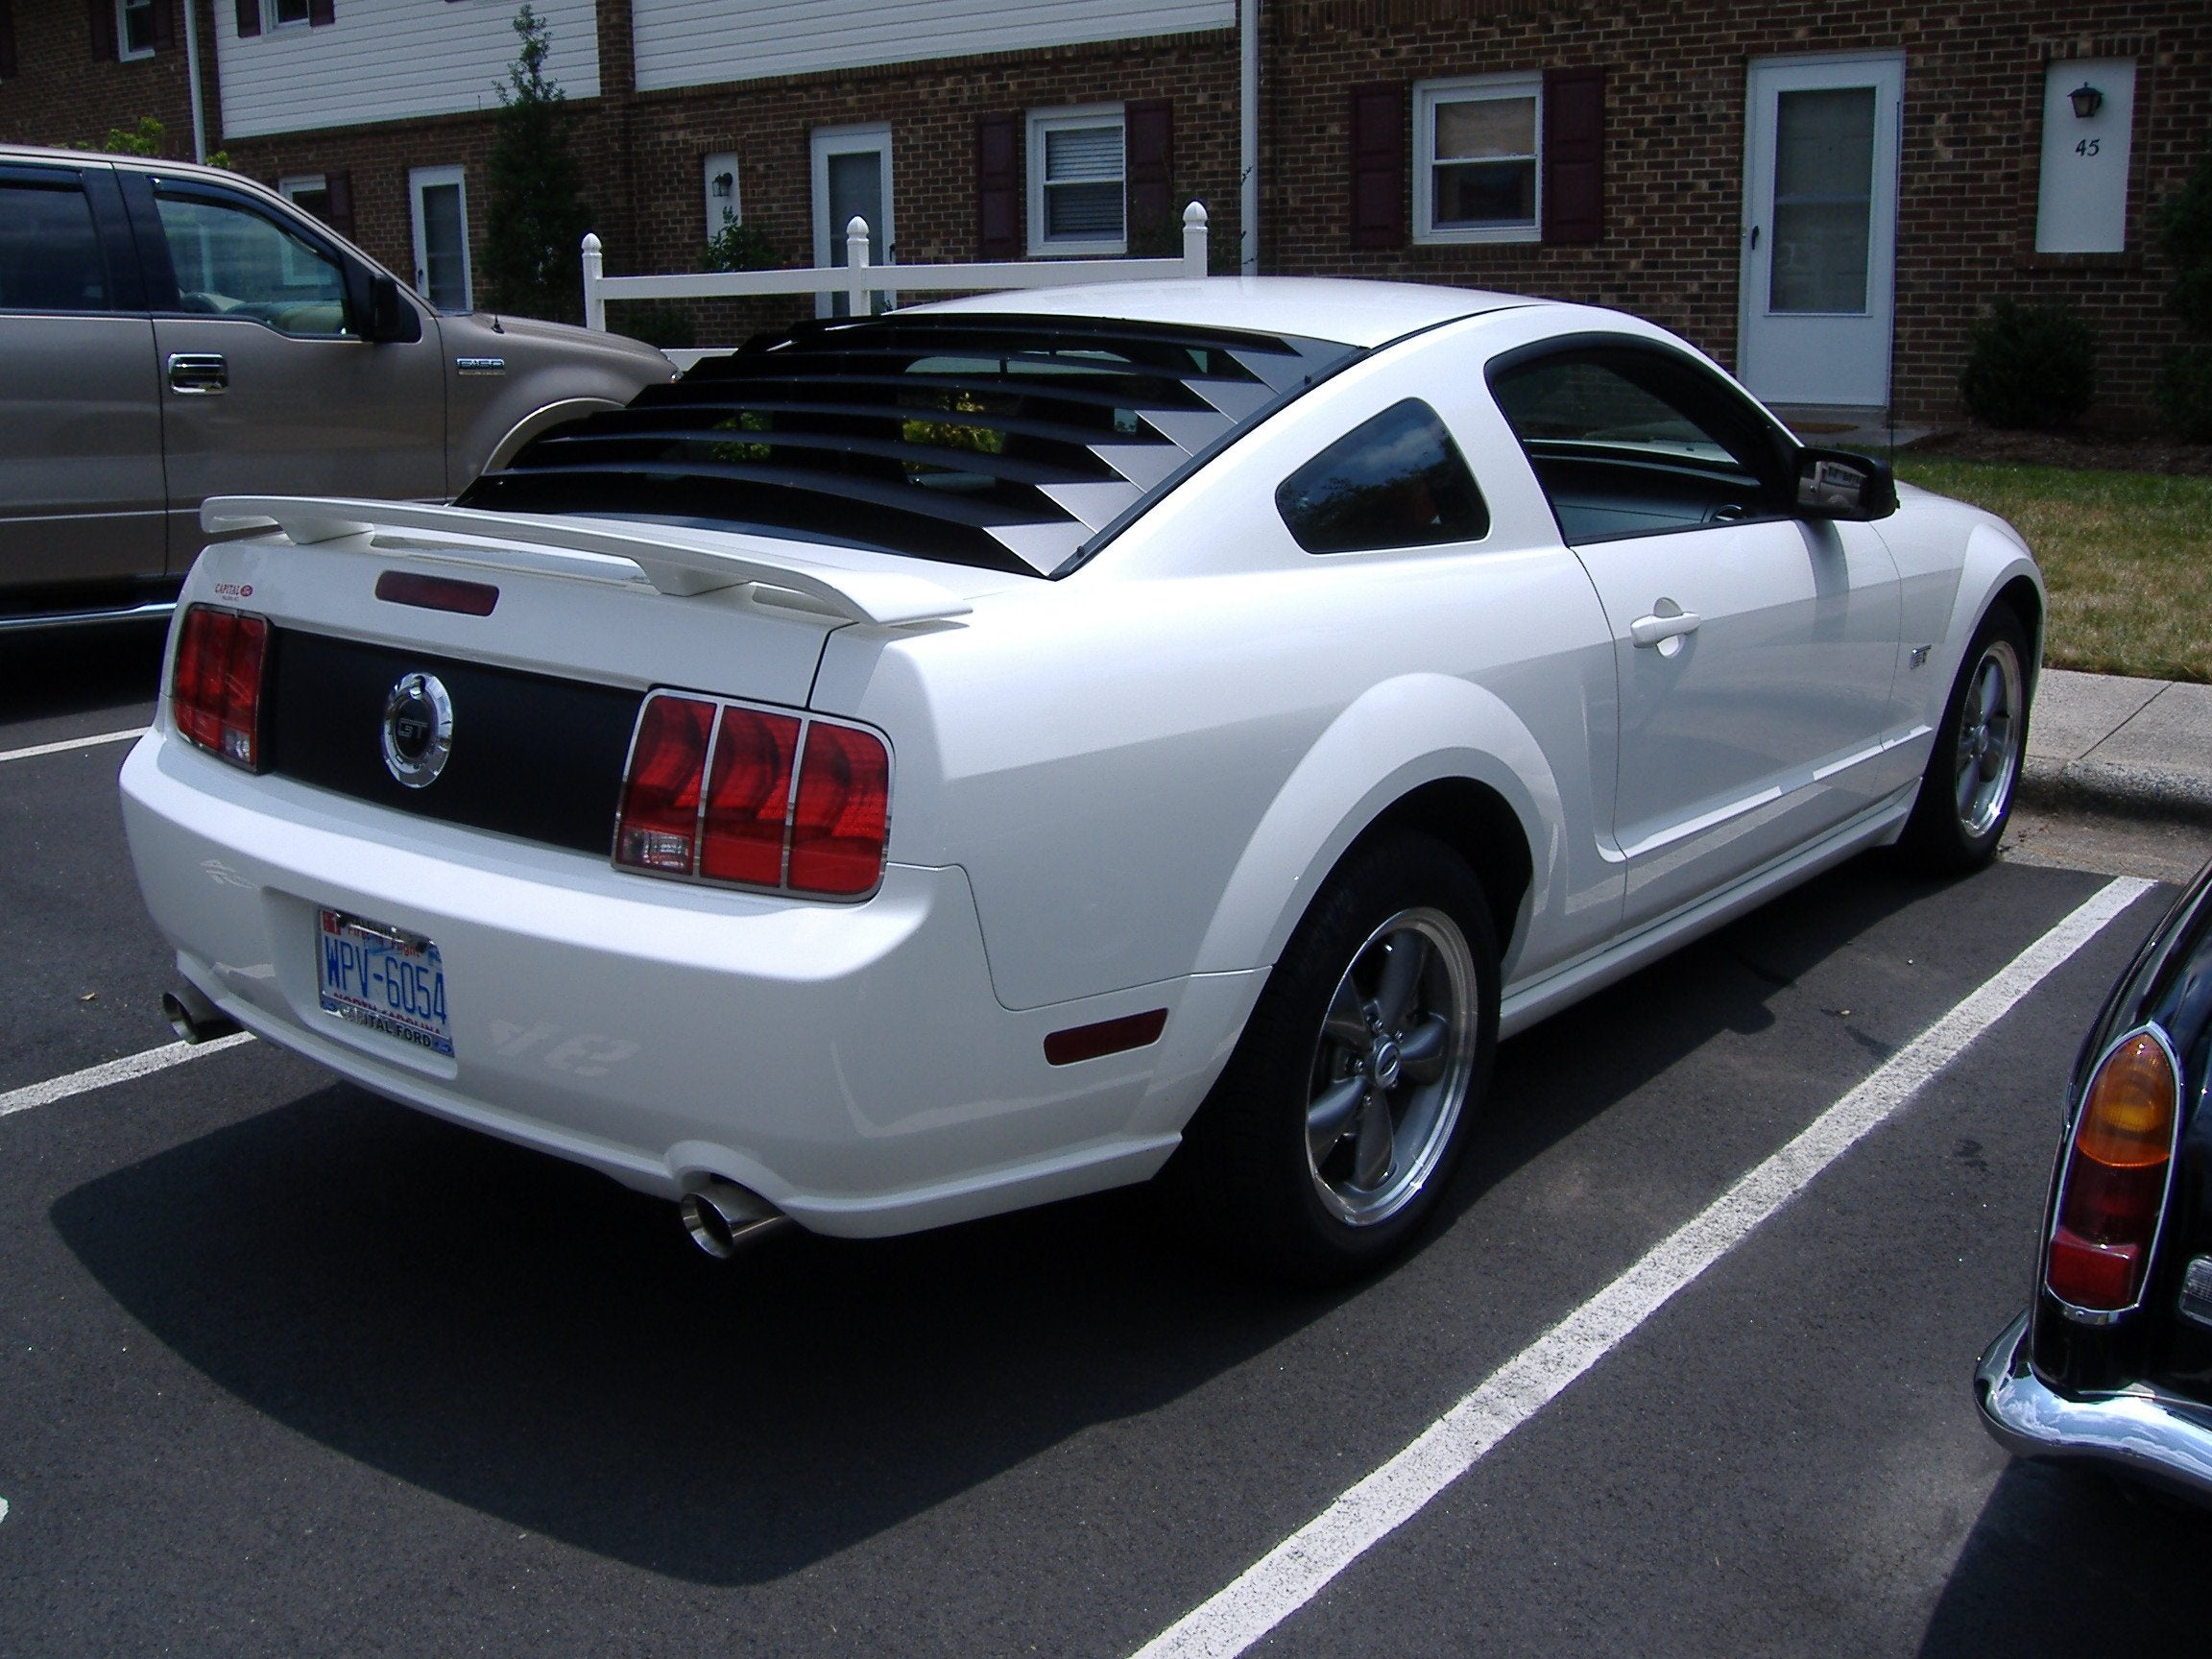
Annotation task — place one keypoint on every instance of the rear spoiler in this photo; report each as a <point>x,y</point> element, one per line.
<point>675,565</point>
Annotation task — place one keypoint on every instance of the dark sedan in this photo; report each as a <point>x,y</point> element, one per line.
<point>2113,1360</point>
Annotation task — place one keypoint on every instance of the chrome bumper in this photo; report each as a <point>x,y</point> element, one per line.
<point>2166,1441</point>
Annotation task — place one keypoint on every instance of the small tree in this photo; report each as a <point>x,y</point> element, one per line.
<point>536,216</point>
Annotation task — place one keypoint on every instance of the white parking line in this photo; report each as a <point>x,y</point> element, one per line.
<point>39,749</point>
<point>1295,1571</point>
<point>120,1071</point>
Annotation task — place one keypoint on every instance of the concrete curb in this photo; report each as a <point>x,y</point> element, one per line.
<point>2141,747</point>
<point>2133,791</point>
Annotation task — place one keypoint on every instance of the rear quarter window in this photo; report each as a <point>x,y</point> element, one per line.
<point>49,250</point>
<point>1396,480</point>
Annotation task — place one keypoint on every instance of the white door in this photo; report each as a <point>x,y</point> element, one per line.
<point>1753,651</point>
<point>852,179</point>
<point>442,237</point>
<point>1820,230</point>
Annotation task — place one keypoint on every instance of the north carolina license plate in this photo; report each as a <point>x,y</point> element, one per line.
<point>385,979</point>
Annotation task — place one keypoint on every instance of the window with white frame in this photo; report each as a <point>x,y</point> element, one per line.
<point>282,13</point>
<point>1476,171</point>
<point>133,29</point>
<point>1078,201</point>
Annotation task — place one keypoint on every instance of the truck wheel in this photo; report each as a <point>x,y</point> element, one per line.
<point>1344,1109</point>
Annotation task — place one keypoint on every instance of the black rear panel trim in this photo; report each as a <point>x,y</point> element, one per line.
<point>533,756</point>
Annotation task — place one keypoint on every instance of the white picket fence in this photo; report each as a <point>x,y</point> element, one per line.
<point>859,281</point>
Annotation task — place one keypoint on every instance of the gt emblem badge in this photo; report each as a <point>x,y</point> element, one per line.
<point>418,729</point>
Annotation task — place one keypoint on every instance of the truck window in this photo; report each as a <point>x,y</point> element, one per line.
<point>49,251</point>
<point>232,262</point>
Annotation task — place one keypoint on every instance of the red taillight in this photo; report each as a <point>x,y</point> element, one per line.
<point>2112,1188</point>
<point>215,692</point>
<point>843,812</point>
<point>749,797</point>
<point>659,829</point>
<point>826,836</point>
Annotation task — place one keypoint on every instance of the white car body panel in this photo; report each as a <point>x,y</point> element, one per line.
<point>1115,792</point>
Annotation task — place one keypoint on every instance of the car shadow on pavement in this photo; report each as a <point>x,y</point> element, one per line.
<point>55,672</point>
<point>2066,1560</point>
<point>527,1338</point>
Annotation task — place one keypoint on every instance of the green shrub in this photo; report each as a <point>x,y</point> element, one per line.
<point>664,322</point>
<point>2184,394</point>
<point>2033,366</point>
<point>2185,231</point>
<point>740,247</point>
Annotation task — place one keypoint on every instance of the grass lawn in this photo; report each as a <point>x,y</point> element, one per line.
<point>2128,557</point>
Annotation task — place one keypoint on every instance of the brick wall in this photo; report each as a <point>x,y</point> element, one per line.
<point>1673,155</point>
<point>71,88</point>
<point>1673,149</point>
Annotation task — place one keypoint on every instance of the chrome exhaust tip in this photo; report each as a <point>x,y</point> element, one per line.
<point>721,1216</point>
<point>193,1017</point>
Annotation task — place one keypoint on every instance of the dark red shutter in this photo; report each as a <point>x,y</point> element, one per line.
<point>1379,166</point>
<point>1150,135</point>
<point>1574,154</point>
<point>7,40</point>
<point>321,12</point>
<point>166,24</point>
<point>337,189</point>
<point>997,187</point>
<point>101,14</point>
<point>248,17</point>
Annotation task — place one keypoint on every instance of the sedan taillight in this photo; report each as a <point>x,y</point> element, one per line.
<point>215,692</point>
<point>2112,1185</point>
<point>722,792</point>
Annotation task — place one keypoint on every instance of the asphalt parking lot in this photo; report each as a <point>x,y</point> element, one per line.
<point>286,1369</point>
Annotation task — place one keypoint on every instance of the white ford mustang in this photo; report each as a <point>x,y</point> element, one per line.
<point>916,767</point>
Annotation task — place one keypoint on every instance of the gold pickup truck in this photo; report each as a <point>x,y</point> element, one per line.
<point>170,333</point>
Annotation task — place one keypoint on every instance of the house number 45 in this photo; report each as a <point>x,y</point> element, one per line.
<point>2087,147</point>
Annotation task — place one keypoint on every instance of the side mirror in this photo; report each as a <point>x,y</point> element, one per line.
<point>1836,484</point>
<point>390,317</point>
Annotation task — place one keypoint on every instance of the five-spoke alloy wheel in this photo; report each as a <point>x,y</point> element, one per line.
<point>1336,1124</point>
<point>1966,792</point>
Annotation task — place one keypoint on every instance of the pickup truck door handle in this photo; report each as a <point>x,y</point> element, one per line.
<point>199,373</point>
<point>1663,625</point>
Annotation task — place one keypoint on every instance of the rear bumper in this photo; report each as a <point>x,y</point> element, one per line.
<point>848,1062</point>
<point>2166,1441</point>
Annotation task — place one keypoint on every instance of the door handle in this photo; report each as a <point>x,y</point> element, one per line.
<point>1662,626</point>
<point>1754,238</point>
<point>198,373</point>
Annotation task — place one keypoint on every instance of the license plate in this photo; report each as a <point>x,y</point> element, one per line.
<point>385,979</point>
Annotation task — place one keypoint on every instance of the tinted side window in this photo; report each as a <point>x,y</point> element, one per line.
<point>1394,481</point>
<point>49,250</point>
<point>232,262</point>
<point>1631,441</point>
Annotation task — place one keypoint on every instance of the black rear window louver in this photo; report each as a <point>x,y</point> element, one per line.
<point>1014,444</point>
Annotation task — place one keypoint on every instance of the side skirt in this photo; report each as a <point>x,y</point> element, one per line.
<point>1530,1001</point>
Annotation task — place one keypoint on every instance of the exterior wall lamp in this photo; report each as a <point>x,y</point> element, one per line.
<point>2087,100</point>
<point>725,183</point>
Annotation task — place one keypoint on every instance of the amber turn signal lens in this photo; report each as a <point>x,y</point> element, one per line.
<point>2128,1120</point>
<point>2114,1185</point>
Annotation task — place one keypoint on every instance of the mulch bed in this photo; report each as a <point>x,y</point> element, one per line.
<point>2067,450</point>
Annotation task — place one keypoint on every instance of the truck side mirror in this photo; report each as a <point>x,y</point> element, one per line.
<point>1838,484</point>
<point>390,317</point>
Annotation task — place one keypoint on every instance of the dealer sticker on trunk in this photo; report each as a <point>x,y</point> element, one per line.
<point>385,979</point>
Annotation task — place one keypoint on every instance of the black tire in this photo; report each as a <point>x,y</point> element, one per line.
<point>1966,792</point>
<point>1344,1109</point>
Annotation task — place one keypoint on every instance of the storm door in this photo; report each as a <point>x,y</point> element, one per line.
<point>852,179</point>
<point>1819,236</point>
